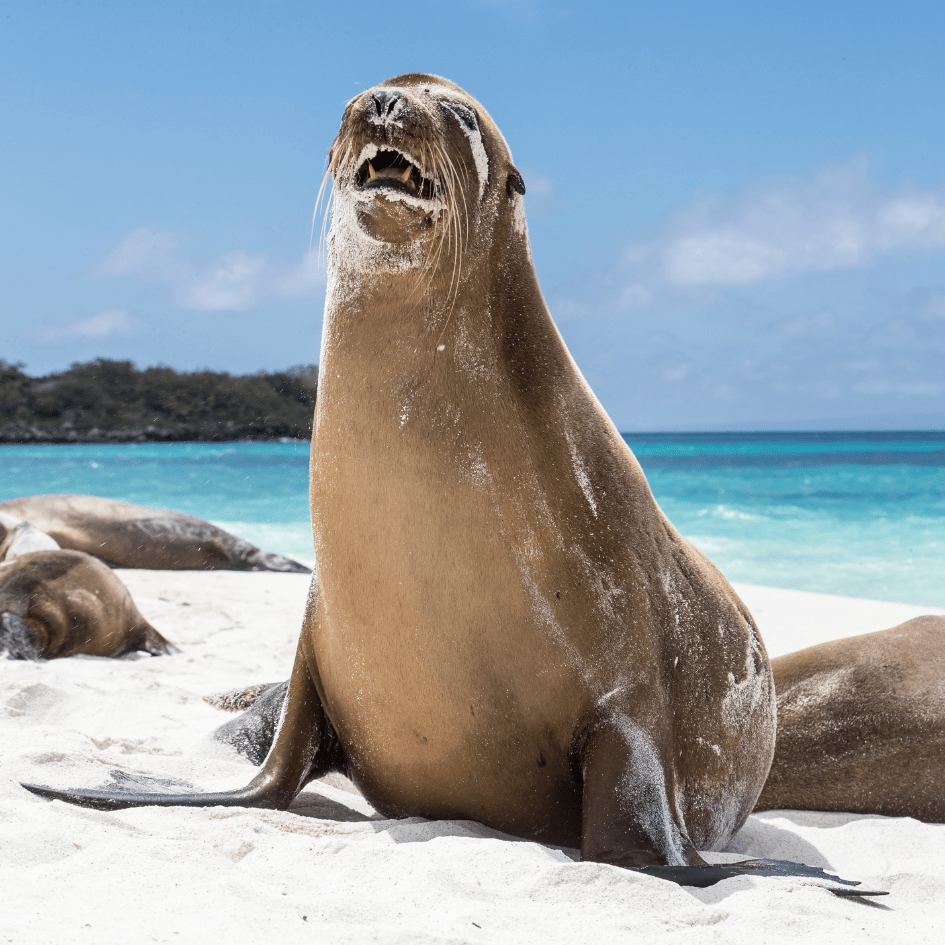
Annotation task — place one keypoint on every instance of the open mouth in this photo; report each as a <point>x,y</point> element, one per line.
<point>391,170</point>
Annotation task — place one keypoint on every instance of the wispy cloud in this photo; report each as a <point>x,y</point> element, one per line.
<point>112,321</point>
<point>233,282</point>
<point>836,218</point>
<point>833,221</point>
<point>772,303</point>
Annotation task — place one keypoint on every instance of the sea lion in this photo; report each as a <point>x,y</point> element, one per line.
<point>861,725</point>
<point>62,603</point>
<point>135,536</point>
<point>503,626</point>
<point>19,538</point>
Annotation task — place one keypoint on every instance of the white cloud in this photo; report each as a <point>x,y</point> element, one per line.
<point>112,321</point>
<point>834,220</point>
<point>233,282</point>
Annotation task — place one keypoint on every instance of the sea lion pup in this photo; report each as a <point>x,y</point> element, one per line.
<point>136,536</point>
<point>503,626</point>
<point>861,725</point>
<point>19,538</point>
<point>62,603</point>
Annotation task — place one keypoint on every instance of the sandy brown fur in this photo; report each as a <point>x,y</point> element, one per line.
<point>73,604</point>
<point>503,626</point>
<point>861,725</point>
<point>125,535</point>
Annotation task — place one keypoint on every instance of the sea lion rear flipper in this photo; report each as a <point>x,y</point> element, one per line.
<point>305,748</point>
<point>252,732</point>
<point>155,643</point>
<point>269,561</point>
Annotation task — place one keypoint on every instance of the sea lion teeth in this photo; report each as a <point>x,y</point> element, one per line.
<point>406,175</point>
<point>371,171</point>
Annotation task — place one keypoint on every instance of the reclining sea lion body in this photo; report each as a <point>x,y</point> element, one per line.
<point>125,535</point>
<point>63,603</point>
<point>861,725</point>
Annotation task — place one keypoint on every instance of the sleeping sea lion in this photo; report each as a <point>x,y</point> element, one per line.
<point>62,603</point>
<point>503,626</point>
<point>19,538</point>
<point>861,725</point>
<point>135,536</point>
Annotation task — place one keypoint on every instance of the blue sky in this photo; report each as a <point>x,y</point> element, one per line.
<point>737,210</point>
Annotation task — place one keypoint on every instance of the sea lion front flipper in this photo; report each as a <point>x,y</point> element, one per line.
<point>626,817</point>
<point>708,875</point>
<point>19,639</point>
<point>305,748</point>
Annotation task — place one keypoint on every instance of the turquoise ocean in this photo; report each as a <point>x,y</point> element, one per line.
<point>858,514</point>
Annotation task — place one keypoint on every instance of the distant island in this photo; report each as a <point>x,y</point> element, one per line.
<point>105,401</point>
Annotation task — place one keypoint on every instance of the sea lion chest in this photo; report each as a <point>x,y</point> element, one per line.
<point>462,622</point>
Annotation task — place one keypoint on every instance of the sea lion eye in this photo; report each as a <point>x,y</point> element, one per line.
<point>514,182</point>
<point>465,114</point>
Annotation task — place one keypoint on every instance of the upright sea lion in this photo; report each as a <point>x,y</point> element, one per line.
<point>62,603</point>
<point>135,536</point>
<point>503,626</point>
<point>861,725</point>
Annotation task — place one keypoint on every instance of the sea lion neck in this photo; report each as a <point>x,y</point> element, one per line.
<point>394,337</point>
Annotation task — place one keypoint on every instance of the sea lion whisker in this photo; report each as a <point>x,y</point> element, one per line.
<point>321,235</point>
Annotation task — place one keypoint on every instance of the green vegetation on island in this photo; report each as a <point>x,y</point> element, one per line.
<point>104,401</point>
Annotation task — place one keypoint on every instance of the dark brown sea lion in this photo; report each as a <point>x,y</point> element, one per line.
<point>135,536</point>
<point>861,725</point>
<point>62,603</point>
<point>503,627</point>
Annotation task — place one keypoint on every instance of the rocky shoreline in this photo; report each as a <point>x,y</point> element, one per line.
<point>115,402</point>
<point>226,431</point>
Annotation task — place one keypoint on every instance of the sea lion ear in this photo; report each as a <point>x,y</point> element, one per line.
<point>514,182</point>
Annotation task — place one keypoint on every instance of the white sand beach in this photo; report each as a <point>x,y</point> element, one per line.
<point>332,870</point>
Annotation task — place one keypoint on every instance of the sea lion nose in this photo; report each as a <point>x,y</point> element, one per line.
<point>385,102</point>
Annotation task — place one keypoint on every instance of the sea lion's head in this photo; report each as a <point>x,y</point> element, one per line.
<point>421,171</point>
